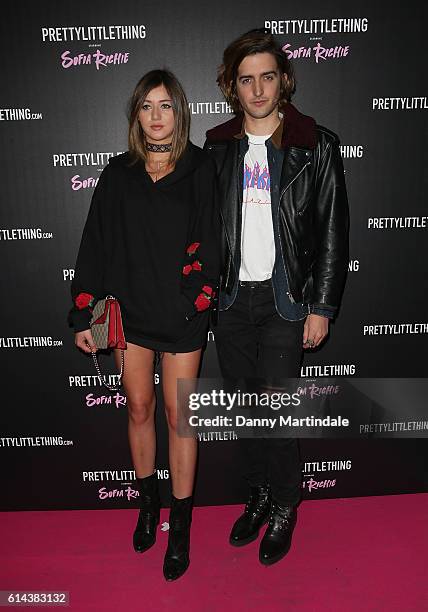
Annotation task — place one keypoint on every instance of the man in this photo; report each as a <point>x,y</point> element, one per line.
<point>285,256</point>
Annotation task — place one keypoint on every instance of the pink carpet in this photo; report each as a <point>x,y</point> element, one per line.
<point>348,554</point>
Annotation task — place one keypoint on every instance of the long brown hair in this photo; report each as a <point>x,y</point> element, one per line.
<point>254,41</point>
<point>136,137</point>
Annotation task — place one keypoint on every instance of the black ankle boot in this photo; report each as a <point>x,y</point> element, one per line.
<point>246,528</point>
<point>176,559</point>
<point>276,541</point>
<point>148,519</point>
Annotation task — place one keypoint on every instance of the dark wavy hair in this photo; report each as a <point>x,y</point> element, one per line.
<point>136,137</point>
<point>250,43</point>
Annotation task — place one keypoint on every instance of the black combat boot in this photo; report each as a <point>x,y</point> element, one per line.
<point>148,519</point>
<point>276,541</point>
<point>246,528</point>
<point>176,559</point>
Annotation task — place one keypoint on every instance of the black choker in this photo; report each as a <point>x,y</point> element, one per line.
<point>159,148</point>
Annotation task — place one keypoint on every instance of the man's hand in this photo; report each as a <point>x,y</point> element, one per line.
<point>315,330</point>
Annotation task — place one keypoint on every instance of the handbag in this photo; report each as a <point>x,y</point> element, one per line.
<point>107,332</point>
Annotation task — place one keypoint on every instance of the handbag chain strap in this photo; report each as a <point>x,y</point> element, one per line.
<point>109,387</point>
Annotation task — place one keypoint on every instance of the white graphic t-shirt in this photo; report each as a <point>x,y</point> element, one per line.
<point>257,241</point>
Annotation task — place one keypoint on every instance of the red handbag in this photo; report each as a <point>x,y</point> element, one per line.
<point>107,333</point>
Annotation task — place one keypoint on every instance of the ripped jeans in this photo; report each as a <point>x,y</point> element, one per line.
<point>253,341</point>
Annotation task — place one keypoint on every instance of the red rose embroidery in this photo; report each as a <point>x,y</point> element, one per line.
<point>196,265</point>
<point>202,302</point>
<point>187,269</point>
<point>191,250</point>
<point>83,300</point>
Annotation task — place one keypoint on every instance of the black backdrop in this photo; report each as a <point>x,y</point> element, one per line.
<point>60,124</point>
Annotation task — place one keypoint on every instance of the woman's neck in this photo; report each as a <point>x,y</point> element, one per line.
<point>157,158</point>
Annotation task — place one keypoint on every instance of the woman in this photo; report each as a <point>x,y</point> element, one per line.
<point>151,240</point>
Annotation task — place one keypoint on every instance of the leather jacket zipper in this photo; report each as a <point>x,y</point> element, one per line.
<point>292,300</point>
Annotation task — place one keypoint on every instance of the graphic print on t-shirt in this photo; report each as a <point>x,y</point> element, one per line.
<point>256,183</point>
<point>257,241</point>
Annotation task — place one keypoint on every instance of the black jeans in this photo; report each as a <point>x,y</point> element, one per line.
<point>253,341</point>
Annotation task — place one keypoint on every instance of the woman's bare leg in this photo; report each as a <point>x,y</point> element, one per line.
<point>139,388</point>
<point>182,451</point>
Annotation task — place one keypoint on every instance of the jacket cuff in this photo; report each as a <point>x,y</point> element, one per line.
<point>322,310</point>
<point>79,319</point>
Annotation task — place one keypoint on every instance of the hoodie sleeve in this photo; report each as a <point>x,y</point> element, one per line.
<point>201,262</point>
<point>87,284</point>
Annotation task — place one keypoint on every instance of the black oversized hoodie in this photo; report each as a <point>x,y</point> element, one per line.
<point>154,246</point>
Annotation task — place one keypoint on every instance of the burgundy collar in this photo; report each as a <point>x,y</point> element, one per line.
<point>298,130</point>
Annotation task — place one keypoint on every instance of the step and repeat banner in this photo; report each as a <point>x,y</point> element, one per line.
<point>68,71</point>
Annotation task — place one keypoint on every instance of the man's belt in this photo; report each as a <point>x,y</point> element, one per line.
<point>255,284</point>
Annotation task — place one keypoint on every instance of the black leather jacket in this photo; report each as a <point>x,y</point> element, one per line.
<point>313,209</point>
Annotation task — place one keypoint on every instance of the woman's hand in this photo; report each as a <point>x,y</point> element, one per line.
<point>84,341</point>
